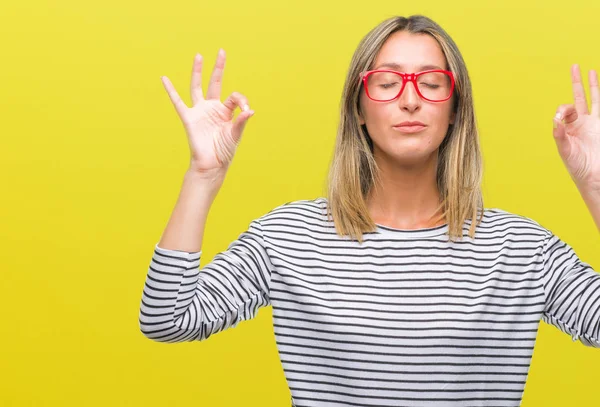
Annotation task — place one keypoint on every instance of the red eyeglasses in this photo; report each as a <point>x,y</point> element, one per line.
<point>383,85</point>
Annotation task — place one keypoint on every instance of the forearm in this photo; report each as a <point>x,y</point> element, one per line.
<point>185,228</point>
<point>591,197</point>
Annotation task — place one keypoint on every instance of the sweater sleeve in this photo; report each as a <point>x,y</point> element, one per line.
<point>181,302</point>
<point>572,291</point>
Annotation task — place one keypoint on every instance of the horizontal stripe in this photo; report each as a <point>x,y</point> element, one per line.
<point>406,317</point>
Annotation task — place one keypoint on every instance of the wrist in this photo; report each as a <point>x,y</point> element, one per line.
<point>208,177</point>
<point>589,190</point>
<point>206,184</point>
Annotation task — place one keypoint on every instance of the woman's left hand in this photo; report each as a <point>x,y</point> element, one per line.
<point>577,133</point>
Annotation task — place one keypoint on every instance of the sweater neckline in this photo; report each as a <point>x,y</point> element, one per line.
<point>412,233</point>
<point>407,233</point>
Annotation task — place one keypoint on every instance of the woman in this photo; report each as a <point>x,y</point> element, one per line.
<point>399,288</point>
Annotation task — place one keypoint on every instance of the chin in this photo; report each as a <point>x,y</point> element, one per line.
<point>408,158</point>
<point>409,153</point>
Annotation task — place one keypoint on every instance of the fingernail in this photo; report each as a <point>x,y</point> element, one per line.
<point>554,124</point>
<point>558,116</point>
<point>251,112</point>
<point>245,107</point>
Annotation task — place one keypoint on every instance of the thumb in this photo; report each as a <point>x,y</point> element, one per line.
<point>560,137</point>
<point>240,124</point>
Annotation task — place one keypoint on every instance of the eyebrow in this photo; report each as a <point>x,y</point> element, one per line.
<point>399,67</point>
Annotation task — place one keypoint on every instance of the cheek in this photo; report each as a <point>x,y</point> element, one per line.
<point>379,117</point>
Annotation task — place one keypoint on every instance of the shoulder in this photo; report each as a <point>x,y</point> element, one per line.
<point>314,210</point>
<point>497,220</point>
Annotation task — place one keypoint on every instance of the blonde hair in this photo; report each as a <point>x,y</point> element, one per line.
<point>354,172</point>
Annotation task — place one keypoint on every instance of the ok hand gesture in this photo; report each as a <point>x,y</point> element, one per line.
<point>577,133</point>
<point>212,134</point>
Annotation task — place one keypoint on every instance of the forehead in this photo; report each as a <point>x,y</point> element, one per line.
<point>410,52</point>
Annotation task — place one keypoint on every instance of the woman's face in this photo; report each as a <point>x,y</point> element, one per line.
<point>410,53</point>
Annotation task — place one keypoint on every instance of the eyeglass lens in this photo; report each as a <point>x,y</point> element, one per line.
<point>386,85</point>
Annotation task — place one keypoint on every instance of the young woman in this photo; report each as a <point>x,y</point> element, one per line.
<point>399,288</point>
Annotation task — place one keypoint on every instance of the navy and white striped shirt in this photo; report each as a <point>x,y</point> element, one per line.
<point>407,318</point>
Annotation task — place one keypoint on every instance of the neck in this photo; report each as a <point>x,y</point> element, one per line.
<point>407,197</point>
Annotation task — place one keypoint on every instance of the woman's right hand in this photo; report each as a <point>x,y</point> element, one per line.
<point>212,134</point>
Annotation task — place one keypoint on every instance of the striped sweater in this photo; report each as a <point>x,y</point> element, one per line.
<point>407,318</point>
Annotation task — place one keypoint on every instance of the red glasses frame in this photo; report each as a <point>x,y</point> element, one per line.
<point>407,77</point>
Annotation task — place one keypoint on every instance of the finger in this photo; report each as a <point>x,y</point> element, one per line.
<point>174,96</point>
<point>594,92</point>
<point>566,113</point>
<point>578,90</point>
<point>236,99</point>
<point>240,124</point>
<point>196,83</point>
<point>214,87</point>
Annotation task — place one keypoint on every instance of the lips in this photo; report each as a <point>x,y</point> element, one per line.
<point>410,127</point>
<point>408,123</point>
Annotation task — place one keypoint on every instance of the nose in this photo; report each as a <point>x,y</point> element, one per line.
<point>409,100</point>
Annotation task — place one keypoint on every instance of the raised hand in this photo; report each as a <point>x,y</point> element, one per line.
<point>577,133</point>
<point>212,134</point>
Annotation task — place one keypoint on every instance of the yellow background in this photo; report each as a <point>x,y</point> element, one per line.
<point>93,155</point>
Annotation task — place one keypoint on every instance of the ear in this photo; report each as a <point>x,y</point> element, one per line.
<point>359,108</point>
<point>452,117</point>
<point>361,119</point>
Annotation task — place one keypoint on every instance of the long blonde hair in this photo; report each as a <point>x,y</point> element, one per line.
<point>354,172</point>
